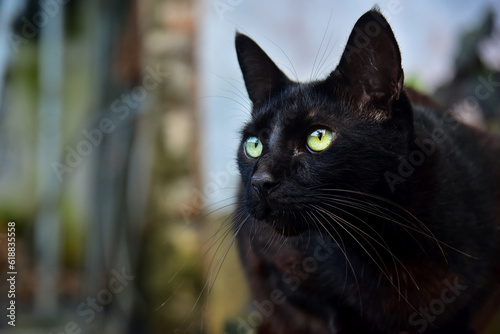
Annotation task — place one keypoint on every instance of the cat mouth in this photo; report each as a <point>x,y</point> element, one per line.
<point>284,222</point>
<point>286,217</point>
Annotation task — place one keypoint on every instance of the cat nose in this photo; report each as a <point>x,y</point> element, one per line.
<point>263,183</point>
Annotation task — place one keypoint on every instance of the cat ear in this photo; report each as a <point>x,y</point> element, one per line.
<point>371,64</point>
<point>262,77</point>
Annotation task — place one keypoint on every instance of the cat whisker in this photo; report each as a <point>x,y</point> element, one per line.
<point>245,107</point>
<point>237,95</point>
<point>385,246</point>
<point>389,278</point>
<point>353,203</point>
<point>421,224</point>
<point>358,230</point>
<point>225,251</point>
<point>216,265</point>
<point>238,92</point>
<point>292,70</point>
<point>313,72</point>
<point>344,252</point>
<point>348,265</point>
<point>225,226</point>
<point>328,50</point>
<point>340,220</point>
<point>396,205</point>
<point>214,273</point>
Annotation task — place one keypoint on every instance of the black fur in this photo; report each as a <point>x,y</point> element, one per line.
<point>399,215</point>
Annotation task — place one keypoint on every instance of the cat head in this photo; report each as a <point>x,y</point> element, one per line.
<point>305,140</point>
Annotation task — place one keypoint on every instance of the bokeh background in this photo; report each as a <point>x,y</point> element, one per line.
<point>119,125</point>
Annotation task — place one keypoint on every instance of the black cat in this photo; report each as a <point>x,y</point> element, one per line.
<point>363,208</point>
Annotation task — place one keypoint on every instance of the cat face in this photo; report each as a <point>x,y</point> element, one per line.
<point>307,139</point>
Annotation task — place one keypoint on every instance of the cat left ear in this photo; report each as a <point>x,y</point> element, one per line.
<point>262,77</point>
<point>371,64</point>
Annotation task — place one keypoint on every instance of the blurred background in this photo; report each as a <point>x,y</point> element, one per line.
<point>119,125</point>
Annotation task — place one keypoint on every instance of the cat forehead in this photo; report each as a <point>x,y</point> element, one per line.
<point>296,108</point>
<point>278,118</point>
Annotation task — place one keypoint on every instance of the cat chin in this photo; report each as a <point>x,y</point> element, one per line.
<point>288,231</point>
<point>285,222</point>
<point>286,227</point>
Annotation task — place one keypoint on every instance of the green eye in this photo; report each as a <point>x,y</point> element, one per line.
<point>253,147</point>
<point>319,140</point>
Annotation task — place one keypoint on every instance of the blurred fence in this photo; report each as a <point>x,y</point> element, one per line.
<point>92,94</point>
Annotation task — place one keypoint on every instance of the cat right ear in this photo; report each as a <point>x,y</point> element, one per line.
<point>262,77</point>
<point>371,64</point>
